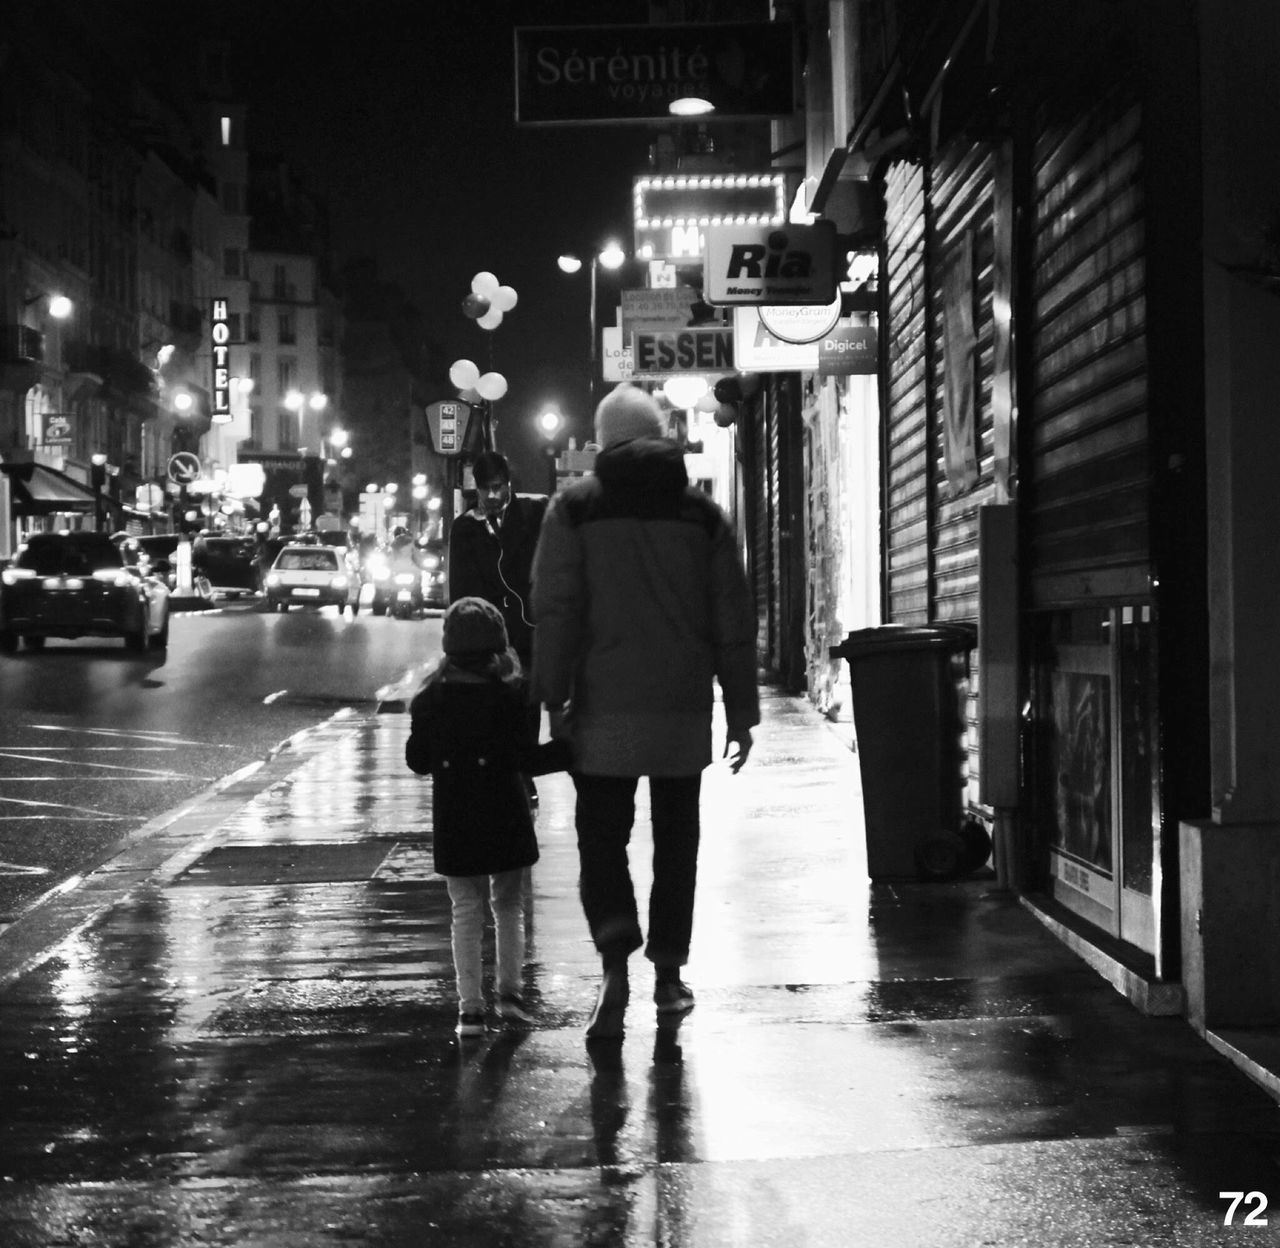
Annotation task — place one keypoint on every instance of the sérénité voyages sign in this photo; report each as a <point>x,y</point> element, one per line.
<point>585,75</point>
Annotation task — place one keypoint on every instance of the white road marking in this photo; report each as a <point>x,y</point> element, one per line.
<point>137,771</point>
<point>16,868</point>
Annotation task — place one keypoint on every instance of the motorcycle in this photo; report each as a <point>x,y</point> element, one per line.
<point>406,595</point>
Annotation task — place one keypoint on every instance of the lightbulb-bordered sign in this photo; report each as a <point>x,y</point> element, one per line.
<point>672,212</point>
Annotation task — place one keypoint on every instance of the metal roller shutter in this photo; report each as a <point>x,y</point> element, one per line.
<point>1086,436</point>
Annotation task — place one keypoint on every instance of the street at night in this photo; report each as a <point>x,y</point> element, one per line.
<point>639,625</point>
<point>96,740</point>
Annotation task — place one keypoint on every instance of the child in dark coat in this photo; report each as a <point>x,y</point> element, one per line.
<point>470,732</point>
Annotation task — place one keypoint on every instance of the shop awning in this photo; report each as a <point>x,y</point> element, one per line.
<point>41,491</point>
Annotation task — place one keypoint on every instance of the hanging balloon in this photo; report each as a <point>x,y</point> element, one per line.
<point>748,383</point>
<point>484,284</point>
<point>492,386</point>
<point>504,298</point>
<point>726,414</point>
<point>490,320</point>
<point>708,402</point>
<point>475,306</point>
<point>727,390</point>
<point>463,374</point>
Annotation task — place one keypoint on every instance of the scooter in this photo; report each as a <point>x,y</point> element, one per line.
<point>406,595</point>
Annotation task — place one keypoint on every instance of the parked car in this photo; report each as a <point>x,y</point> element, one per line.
<point>313,575</point>
<point>75,585</point>
<point>227,563</point>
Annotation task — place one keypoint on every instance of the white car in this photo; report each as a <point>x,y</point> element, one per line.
<point>313,576</point>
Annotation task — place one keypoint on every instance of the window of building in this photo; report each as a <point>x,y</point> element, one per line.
<point>234,326</point>
<point>286,374</point>
<point>255,368</point>
<point>280,282</point>
<point>232,261</point>
<point>287,330</point>
<point>232,197</point>
<point>257,433</point>
<point>289,428</point>
<point>226,131</point>
<point>252,332</point>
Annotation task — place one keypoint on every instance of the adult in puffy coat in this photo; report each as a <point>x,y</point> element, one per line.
<point>641,604</point>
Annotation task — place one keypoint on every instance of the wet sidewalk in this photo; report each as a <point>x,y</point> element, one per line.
<point>239,1032</point>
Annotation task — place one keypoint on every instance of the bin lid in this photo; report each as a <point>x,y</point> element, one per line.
<point>890,638</point>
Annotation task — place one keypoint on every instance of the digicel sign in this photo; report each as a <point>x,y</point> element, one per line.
<point>759,266</point>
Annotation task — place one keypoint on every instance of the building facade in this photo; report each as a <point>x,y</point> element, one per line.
<point>1074,273</point>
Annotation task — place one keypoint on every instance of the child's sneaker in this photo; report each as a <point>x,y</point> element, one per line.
<point>512,1009</point>
<point>673,996</point>
<point>470,1025</point>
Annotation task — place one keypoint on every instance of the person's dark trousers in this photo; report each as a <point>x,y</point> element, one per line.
<point>605,814</point>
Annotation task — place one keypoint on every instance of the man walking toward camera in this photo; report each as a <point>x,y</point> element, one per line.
<point>641,604</point>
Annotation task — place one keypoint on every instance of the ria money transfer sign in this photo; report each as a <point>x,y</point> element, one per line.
<point>763,265</point>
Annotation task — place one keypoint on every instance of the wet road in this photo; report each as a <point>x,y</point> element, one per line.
<point>250,1043</point>
<point>95,740</point>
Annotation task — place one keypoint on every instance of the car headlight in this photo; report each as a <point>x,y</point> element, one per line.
<point>273,579</point>
<point>11,576</point>
<point>110,576</point>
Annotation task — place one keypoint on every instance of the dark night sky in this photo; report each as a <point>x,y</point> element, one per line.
<point>401,113</point>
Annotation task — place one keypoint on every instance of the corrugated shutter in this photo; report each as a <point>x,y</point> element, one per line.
<point>1086,436</point>
<point>962,200</point>
<point>906,455</point>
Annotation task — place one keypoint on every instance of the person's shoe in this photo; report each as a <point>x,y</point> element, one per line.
<point>512,1009</point>
<point>672,996</point>
<point>470,1025</point>
<point>608,1019</point>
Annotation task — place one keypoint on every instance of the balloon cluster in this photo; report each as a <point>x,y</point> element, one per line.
<point>485,305</point>
<point>723,398</point>
<point>466,375</point>
<point>488,300</point>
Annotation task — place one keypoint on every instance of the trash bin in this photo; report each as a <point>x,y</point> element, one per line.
<point>908,712</point>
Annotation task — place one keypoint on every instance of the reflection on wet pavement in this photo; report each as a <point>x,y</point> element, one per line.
<point>266,1056</point>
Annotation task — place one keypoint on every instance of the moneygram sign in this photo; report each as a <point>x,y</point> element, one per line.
<point>587,75</point>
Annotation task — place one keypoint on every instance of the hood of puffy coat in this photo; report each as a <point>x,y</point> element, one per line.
<point>654,465</point>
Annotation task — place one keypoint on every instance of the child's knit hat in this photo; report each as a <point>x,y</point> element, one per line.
<point>474,626</point>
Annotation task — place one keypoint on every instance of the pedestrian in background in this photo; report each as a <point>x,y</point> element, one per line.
<point>641,605</point>
<point>470,734</point>
<point>491,548</point>
<point>491,556</point>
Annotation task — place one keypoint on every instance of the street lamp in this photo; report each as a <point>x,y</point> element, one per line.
<point>59,306</point>
<point>610,256</point>
<point>550,422</point>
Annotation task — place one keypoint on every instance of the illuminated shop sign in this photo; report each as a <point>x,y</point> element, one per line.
<point>683,351</point>
<point>672,212</point>
<point>221,395</point>
<point>762,265</point>
<point>585,75</point>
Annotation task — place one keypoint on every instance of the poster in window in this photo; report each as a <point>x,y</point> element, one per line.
<point>959,422</point>
<point>1081,761</point>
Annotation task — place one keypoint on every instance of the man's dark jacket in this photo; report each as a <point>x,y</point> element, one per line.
<point>497,567</point>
